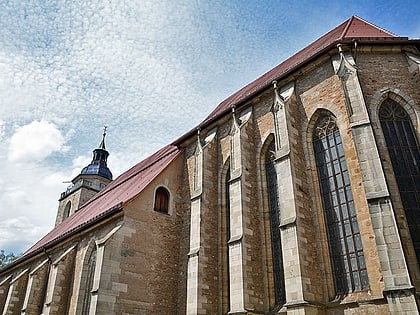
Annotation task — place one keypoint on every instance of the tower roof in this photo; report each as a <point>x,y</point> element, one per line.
<point>99,166</point>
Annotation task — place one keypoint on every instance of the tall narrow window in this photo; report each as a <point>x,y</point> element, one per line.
<point>403,148</point>
<point>66,212</point>
<point>90,274</point>
<point>162,200</point>
<point>272,189</point>
<point>345,245</point>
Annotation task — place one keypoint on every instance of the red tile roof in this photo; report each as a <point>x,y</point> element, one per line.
<point>132,182</point>
<point>113,198</point>
<point>353,28</point>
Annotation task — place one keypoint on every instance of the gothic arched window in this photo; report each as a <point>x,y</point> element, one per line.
<point>162,200</point>
<point>88,280</point>
<point>345,245</point>
<point>273,199</point>
<point>404,153</point>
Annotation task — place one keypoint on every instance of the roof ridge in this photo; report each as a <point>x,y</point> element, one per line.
<point>347,27</point>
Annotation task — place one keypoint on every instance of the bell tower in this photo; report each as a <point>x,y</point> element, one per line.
<point>93,178</point>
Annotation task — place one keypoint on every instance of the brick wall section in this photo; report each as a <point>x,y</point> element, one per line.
<point>310,270</point>
<point>63,285</point>
<point>253,271</point>
<point>111,286</point>
<point>16,294</point>
<point>150,255</point>
<point>208,255</point>
<point>263,135</point>
<point>4,289</point>
<point>36,293</point>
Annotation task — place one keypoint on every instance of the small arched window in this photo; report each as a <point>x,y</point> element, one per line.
<point>66,212</point>
<point>162,200</point>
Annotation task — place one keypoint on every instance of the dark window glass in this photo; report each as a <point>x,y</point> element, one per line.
<point>404,152</point>
<point>345,244</point>
<point>272,187</point>
<point>162,200</point>
<point>67,210</point>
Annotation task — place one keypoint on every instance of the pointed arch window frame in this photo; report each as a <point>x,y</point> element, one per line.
<point>402,144</point>
<point>272,195</point>
<point>347,260</point>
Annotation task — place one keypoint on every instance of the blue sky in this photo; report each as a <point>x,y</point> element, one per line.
<point>149,70</point>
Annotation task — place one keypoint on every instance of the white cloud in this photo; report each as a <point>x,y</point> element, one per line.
<point>16,233</point>
<point>35,141</point>
<point>2,124</point>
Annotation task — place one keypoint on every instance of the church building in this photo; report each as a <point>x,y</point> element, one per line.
<point>299,194</point>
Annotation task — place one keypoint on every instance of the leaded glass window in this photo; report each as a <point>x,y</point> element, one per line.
<point>404,153</point>
<point>345,245</point>
<point>273,199</point>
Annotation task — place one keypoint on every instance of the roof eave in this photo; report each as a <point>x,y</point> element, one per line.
<point>105,215</point>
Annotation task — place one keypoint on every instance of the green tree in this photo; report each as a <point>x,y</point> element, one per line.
<point>6,259</point>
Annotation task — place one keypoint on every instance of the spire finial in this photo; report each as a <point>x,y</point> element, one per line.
<point>102,144</point>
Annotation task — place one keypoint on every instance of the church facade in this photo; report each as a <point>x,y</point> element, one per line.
<point>298,194</point>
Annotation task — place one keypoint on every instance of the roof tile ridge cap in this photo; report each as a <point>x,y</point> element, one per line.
<point>103,192</point>
<point>349,21</point>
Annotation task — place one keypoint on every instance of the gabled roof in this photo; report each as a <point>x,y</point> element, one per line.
<point>111,199</point>
<point>353,28</point>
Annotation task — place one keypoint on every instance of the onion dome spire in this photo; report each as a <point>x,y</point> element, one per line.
<point>98,166</point>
